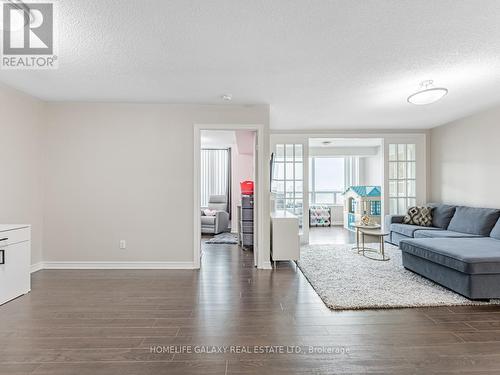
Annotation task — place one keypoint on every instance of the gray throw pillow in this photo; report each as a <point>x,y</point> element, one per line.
<point>419,215</point>
<point>442,215</point>
<point>495,233</point>
<point>474,220</point>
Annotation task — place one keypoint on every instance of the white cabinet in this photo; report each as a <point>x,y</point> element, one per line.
<point>285,239</point>
<point>15,260</point>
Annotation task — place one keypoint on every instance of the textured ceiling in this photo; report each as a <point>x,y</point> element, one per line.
<point>319,64</point>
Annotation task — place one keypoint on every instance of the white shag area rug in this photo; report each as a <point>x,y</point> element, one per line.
<point>346,280</point>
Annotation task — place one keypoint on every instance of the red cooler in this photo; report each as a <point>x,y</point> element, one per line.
<point>246,187</point>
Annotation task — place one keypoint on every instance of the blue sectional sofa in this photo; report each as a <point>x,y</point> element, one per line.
<point>461,250</point>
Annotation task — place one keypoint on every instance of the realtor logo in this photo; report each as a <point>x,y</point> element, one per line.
<point>28,36</point>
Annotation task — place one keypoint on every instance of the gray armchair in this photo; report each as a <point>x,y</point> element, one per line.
<point>218,223</point>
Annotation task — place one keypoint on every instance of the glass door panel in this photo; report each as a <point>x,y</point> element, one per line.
<point>402,177</point>
<point>288,175</point>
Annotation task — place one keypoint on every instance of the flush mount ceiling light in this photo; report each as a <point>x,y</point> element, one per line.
<point>226,97</point>
<point>427,94</point>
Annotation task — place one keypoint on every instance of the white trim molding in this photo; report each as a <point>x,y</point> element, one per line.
<point>113,266</point>
<point>36,267</point>
<point>266,265</point>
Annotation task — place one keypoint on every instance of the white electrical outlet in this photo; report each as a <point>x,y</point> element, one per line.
<point>123,244</point>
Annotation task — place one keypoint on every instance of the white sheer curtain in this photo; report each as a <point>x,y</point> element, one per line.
<point>351,170</point>
<point>214,173</point>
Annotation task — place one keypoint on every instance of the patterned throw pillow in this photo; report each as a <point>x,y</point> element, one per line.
<point>209,212</point>
<point>419,215</point>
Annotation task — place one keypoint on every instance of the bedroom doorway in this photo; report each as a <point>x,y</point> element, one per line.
<point>226,193</point>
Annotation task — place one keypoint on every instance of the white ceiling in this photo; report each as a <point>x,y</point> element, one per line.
<point>319,64</point>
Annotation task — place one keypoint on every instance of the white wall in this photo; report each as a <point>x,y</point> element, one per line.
<point>125,171</point>
<point>21,163</point>
<point>465,161</point>
<point>371,169</point>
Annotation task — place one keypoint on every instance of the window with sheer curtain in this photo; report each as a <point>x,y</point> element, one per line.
<point>215,173</point>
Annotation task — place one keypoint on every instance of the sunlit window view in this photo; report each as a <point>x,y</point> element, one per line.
<point>326,180</point>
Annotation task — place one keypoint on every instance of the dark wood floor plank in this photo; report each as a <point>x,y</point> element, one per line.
<point>13,356</point>
<point>484,326</point>
<point>133,368</point>
<point>77,332</point>
<point>481,336</point>
<point>18,369</point>
<point>467,317</point>
<point>69,342</point>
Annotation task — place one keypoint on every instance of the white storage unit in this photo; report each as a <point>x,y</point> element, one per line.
<point>15,260</point>
<point>246,223</point>
<point>285,239</point>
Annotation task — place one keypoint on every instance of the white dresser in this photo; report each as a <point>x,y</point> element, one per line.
<point>15,260</point>
<point>285,240</point>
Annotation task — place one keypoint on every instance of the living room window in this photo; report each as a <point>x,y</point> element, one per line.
<point>329,177</point>
<point>327,180</point>
<point>402,177</point>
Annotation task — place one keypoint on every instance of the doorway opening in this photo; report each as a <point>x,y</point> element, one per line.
<point>227,203</point>
<point>346,177</point>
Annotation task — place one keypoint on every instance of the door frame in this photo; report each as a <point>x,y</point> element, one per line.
<point>259,191</point>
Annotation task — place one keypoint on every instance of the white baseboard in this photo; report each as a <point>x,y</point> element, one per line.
<point>267,266</point>
<point>117,266</point>
<point>36,267</point>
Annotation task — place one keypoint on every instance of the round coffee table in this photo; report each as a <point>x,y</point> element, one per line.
<point>375,254</point>
<point>358,227</point>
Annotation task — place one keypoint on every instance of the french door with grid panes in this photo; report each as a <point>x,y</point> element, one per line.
<point>288,179</point>
<point>402,177</point>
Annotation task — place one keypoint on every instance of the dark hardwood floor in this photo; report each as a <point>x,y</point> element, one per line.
<point>152,322</point>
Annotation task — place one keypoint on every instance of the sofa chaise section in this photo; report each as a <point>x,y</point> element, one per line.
<point>461,250</point>
<point>469,266</point>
